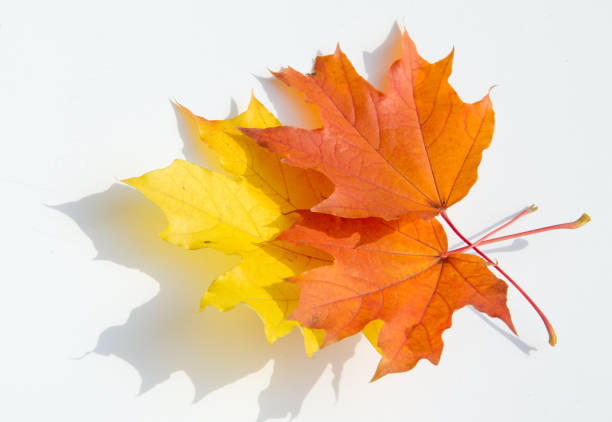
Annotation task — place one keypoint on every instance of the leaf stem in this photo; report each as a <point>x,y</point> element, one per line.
<point>552,336</point>
<point>584,218</point>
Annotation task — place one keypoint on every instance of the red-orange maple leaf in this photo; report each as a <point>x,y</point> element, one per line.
<point>398,272</point>
<point>414,149</point>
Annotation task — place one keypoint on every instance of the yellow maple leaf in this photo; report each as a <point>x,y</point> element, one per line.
<point>259,282</point>
<point>207,209</point>
<point>242,214</point>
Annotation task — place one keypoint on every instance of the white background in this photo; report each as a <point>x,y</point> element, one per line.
<point>84,102</point>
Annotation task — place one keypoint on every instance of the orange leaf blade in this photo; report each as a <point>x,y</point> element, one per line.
<point>394,272</point>
<point>415,149</point>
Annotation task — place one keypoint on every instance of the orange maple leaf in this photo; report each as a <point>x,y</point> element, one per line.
<point>398,272</point>
<point>414,149</point>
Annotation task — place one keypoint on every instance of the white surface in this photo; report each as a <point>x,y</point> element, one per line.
<point>84,91</point>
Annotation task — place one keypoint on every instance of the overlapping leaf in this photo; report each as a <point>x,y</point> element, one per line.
<point>242,215</point>
<point>290,187</point>
<point>371,258</point>
<point>414,149</point>
<point>397,272</point>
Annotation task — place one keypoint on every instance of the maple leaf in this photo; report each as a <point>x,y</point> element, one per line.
<point>260,281</point>
<point>242,215</point>
<point>207,209</point>
<point>398,272</point>
<point>259,276</point>
<point>375,260</point>
<point>414,149</point>
<point>290,187</point>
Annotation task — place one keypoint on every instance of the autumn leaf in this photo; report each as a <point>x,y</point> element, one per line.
<point>206,209</point>
<point>397,272</point>
<point>290,187</point>
<point>414,149</point>
<point>372,258</point>
<point>259,281</point>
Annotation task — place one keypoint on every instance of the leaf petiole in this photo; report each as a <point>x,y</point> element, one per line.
<point>584,218</point>
<point>552,336</point>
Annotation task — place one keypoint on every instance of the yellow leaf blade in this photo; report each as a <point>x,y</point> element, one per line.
<point>206,209</point>
<point>259,282</point>
<point>372,331</point>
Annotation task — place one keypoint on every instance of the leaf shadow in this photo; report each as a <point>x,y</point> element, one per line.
<point>166,334</point>
<point>289,104</point>
<point>378,61</point>
<point>520,344</point>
